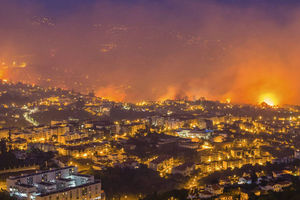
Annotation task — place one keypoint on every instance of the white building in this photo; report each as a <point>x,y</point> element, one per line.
<point>191,133</point>
<point>55,184</point>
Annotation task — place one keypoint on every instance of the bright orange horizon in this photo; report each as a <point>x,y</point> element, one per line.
<point>125,52</point>
<point>118,95</point>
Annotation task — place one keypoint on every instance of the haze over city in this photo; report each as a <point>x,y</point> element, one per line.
<point>149,99</point>
<point>131,51</point>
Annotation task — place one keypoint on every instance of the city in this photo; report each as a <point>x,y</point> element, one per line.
<point>201,148</point>
<point>149,100</point>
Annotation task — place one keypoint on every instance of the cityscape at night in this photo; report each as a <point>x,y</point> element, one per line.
<point>149,100</point>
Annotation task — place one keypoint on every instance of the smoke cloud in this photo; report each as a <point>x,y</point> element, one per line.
<point>155,50</point>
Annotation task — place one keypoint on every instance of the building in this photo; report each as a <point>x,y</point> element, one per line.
<point>297,154</point>
<point>161,162</point>
<point>70,137</point>
<point>184,169</point>
<point>55,184</point>
<point>215,189</point>
<point>4,133</point>
<point>193,133</point>
<point>132,128</point>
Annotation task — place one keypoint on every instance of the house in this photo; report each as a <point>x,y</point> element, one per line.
<point>161,162</point>
<point>245,180</point>
<point>225,197</point>
<point>205,195</point>
<point>215,189</point>
<point>284,184</point>
<point>277,187</point>
<point>184,169</point>
<point>129,164</point>
<point>188,144</point>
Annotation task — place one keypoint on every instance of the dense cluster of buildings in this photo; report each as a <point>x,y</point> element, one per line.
<point>221,136</point>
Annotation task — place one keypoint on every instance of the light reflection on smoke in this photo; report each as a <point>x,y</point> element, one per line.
<point>149,51</point>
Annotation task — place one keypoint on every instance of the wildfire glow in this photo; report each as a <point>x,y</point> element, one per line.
<point>112,92</point>
<point>269,99</point>
<point>3,74</point>
<point>228,100</point>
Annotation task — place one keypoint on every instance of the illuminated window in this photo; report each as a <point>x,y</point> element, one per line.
<point>30,180</point>
<point>44,178</point>
<point>58,174</point>
<point>84,191</point>
<point>70,171</point>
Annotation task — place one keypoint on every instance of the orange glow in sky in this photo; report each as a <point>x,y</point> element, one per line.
<point>233,54</point>
<point>112,93</point>
<point>3,74</point>
<point>269,99</point>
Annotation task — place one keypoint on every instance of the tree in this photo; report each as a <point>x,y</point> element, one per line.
<point>5,196</point>
<point>253,177</point>
<point>3,147</point>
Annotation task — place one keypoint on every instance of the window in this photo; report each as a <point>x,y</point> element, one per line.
<point>58,175</point>
<point>71,171</point>
<point>44,178</point>
<point>84,191</point>
<point>30,180</point>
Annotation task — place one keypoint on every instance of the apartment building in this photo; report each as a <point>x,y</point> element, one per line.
<point>55,184</point>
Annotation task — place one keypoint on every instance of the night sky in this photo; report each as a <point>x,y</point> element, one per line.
<point>133,50</point>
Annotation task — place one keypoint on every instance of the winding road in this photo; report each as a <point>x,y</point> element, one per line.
<point>27,116</point>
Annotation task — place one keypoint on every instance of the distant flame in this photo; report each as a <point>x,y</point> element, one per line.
<point>112,93</point>
<point>3,74</point>
<point>269,99</point>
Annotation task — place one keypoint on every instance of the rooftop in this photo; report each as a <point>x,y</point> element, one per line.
<point>38,173</point>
